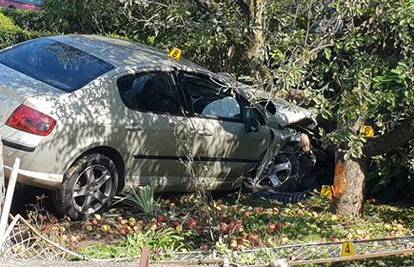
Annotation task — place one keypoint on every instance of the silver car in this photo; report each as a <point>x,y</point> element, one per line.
<point>88,116</point>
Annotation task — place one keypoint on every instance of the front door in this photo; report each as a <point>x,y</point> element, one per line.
<point>222,149</point>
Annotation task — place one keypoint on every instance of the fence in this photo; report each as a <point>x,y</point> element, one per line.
<point>6,197</point>
<point>2,184</point>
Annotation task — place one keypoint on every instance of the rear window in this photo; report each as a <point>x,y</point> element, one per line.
<point>55,63</point>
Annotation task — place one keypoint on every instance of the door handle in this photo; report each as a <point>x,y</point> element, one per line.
<point>133,127</point>
<point>204,132</point>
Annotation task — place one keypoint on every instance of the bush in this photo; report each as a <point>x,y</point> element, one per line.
<point>7,23</point>
<point>11,34</point>
<point>28,20</point>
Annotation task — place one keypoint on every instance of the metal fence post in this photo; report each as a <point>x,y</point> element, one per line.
<point>8,201</point>
<point>2,182</point>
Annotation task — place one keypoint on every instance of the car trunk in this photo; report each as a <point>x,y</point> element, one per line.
<point>15,87</point>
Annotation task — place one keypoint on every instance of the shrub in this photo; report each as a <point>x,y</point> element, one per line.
<point>11,34</point>
<point>28,20</point>
<point>7,23</point>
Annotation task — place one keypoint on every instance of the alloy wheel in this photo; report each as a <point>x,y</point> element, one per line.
<point>92,189</point>
<point>277,173</point>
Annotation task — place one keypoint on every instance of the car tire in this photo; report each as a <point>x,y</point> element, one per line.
<point>89,187</point>
<point>290,173</point>
<point>295,179</point>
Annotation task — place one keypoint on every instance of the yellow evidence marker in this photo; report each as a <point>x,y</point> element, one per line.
<point>367,131</point>
<point>347,249</point>
<point>176,54</point>
<point>326,191</point>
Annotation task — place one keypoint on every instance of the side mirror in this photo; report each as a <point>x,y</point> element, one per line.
<point>252,124</point>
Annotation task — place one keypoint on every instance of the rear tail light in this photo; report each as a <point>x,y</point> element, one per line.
<point>29,120</point>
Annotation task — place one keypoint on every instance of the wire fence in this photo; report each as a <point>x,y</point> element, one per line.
<point>310,253</point>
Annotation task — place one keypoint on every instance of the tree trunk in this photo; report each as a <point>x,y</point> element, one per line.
<point>258,17</point>
<point>349,187</point>
<point>350,174</point>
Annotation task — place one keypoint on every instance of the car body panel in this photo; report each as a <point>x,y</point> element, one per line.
<point>224,148</point>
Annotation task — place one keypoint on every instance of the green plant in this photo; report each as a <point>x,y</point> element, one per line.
<point>141,198</point>
<point>350,61</point>
<point>7,24</point>
<point>11,34</point>
<point>28,20</point>
<point>161,244</point>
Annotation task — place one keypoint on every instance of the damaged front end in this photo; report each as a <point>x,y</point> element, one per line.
<point>290,159</point>
<point>287,161</point>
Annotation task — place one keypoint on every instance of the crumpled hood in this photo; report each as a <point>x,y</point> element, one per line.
<point>287,114</point>
<point>280,110</point>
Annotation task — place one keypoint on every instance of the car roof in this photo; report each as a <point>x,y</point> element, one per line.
<point>126,54</point>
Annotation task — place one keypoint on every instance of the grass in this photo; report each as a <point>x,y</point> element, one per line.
<point>229,224</point>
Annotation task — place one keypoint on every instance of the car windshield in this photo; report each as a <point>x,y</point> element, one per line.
<point>30,2</point>
<point>55,63</point>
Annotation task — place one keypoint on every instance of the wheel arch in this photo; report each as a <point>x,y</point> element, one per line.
<point>111,153</point>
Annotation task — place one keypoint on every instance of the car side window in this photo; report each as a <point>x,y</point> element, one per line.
<point>208,99</point>
<point>149,92</point>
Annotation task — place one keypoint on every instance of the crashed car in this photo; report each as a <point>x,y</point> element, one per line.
<point>90,116</point>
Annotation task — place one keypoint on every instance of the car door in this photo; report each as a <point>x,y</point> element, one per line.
<point>223,149</point>
<point>152,110</point>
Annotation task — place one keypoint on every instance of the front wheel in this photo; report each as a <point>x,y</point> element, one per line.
<point>283,174</point>
<point>89,187</point>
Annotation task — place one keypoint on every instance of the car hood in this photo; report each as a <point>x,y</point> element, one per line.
<point>277,109</point>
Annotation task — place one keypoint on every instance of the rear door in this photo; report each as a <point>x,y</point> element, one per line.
<point>153,112</point>
<point>223,150</point>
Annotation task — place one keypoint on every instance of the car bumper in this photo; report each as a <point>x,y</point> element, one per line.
<point>35,168</point>
<point>38,179</point>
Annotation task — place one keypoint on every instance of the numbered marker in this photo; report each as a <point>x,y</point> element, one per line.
<point>367,131</point>
<point>176,54</point>
<point>347,249</point>
<point>326,191</point>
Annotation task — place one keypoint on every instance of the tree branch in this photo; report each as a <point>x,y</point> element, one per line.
<point>388,142</point>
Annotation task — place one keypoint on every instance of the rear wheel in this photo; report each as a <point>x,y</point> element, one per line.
<point>89,187</point>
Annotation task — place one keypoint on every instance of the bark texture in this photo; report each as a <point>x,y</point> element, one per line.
<point>349,187</point>
<point>258,18</point>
